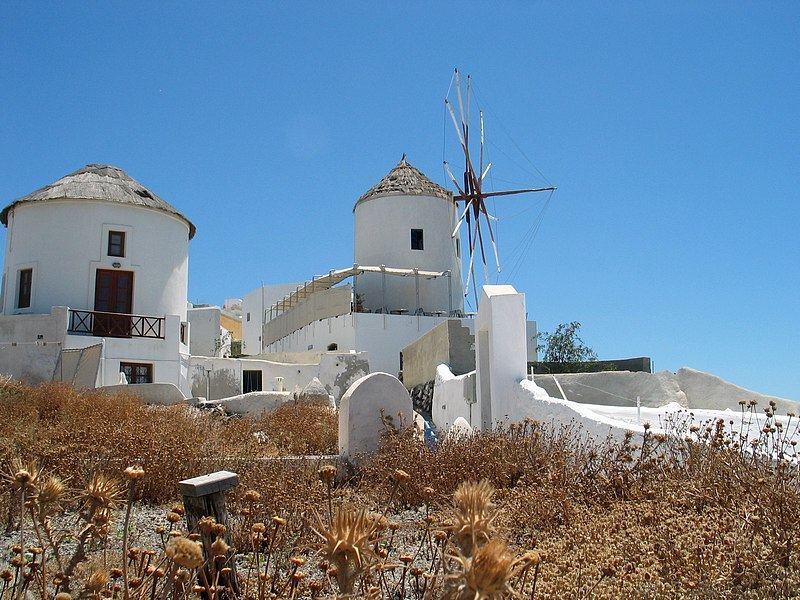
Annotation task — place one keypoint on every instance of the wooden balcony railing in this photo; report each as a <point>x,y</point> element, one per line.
<point>105,324</point>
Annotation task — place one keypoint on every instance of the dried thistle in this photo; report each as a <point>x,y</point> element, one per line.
<point>485,576</point>
<point>346,545</point>
<point>473,515</point>
<point>184,552</point>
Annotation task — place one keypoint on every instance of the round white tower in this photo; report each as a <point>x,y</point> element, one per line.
<point>95,240</point>
<point>406,221</point>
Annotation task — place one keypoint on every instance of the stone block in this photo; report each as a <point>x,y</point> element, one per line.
<point>364,407</point>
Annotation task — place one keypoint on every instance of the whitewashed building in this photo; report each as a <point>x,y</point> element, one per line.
<point>96,259</point>
<point>405,280</point>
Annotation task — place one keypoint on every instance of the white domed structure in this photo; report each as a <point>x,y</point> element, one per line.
<point>100,244</point>
<point>406,221</point>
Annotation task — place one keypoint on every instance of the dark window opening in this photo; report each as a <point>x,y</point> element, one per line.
<point>458,248</point>
<point>251,381</point>
<point>24,289</point>
<point>116,243</point>
<point>248,317</point>
<point>416,239</point>
<point>137,372</point>
<point>332,347</point>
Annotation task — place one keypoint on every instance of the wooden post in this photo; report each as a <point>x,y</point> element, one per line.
<point>204,496</point>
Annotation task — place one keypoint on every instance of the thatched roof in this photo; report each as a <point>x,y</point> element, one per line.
<point>405,180</point>
<point>99,182</point>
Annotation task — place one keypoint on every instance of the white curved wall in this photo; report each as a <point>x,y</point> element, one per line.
<point>383,237</point>
<point>65,242</point>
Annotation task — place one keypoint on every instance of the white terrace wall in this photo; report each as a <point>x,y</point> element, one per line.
<point>323,304</point>
<point>30,344</point>
<point>381,336</point>
<point>223,376</point>
<point>168,356</point>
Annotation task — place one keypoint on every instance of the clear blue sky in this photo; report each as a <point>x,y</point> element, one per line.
<point>670,128</point>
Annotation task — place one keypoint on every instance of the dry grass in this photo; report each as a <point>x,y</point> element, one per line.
<point>534,511</point>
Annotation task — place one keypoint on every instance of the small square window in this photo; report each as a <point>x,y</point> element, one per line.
<point>24,288</point>
<point>116,243</point>
<point>416,239</point>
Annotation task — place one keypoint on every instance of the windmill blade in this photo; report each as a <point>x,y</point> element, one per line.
<point>483,252</point>
<point>455,123</point>
<point>460,220</point>
<point>510,192</point>
<point>471,268</point>
<point>460,102</point>
<point>452,177</point>
<point>491,236</point>
<point>480,163</point>
<point>483,175</point>
<point>469,94</point>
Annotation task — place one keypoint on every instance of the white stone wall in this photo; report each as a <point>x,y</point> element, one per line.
<point>500,352</point>
<point>383,237</point>
<point>254,305</point>
<point>65,242</point>
<point>453,397</point>
<point>168,356</point>
<point>381,336</point>
<point>222,377</point>
<point>207,337</point>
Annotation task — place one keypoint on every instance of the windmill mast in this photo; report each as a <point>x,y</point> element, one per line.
<point>472,193</point>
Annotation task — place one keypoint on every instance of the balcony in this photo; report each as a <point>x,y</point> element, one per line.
<point>116,325</point>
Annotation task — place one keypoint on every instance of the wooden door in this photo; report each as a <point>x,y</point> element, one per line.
<point>113,293</point>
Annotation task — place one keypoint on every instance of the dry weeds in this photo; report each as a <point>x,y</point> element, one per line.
<point>532,512</point>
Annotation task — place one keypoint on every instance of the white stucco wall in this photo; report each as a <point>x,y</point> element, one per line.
<point>383,227</point>
<point>381,336</point>
<point>168,356</point>
<point>336,371</point>
<point>500,351</point>
<point>207,334</point>
<point>65,242</point>
<point>453,397</point>
<point>30,344</point>
<point>254,305</point>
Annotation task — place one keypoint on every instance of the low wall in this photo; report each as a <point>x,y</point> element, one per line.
<point>31,344</point>
<point>320,305</point>
<point>453,397</point>
<point>615,388</point>
<point>688,387</point>
<point>252,403</point>
<point>450,343</point>
<point>163,394</point>
<point>223,376</point>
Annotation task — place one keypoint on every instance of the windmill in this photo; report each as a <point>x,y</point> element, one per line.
<point>470,189</point>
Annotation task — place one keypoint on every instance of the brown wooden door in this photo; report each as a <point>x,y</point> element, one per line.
<point>113,293</point>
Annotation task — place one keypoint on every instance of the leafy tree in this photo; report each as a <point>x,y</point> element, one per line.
<point>564,345</point>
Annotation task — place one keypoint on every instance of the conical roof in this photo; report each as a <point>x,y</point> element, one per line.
<point>99,182</point>
<point>405,180</point>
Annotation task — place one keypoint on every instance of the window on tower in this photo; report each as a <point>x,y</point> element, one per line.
<point>116,243</point>
<point>416,239</point>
